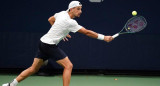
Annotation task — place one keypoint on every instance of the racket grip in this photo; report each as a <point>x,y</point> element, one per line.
<point>115,35</point>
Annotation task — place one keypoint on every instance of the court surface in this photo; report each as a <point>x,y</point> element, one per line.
<point>86,80</point>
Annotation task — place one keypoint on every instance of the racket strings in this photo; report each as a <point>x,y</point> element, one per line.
<point>135,24</point>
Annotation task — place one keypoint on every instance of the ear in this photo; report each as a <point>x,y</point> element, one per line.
<point>71,9</point>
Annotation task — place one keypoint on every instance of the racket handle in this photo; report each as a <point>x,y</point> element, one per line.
<point>115,35</point>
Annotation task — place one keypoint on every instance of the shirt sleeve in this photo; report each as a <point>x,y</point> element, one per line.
<point>74,27</point>
<point>55,15</point>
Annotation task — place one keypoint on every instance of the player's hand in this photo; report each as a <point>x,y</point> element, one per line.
<point>108,38</point>
<point>66,39</point>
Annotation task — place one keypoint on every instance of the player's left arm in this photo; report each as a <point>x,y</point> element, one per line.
<point>51,20</point>
<point>66,39</point>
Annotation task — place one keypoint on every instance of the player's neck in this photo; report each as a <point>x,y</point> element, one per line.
<point>71,15</point>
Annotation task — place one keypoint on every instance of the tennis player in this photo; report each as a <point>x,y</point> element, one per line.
<point>62,24</point>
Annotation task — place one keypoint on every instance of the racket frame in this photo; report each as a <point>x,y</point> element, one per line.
<point>126,31</point>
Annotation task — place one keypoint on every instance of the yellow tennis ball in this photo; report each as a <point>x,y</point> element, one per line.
<point>134,13</point>
<point>129,28</point>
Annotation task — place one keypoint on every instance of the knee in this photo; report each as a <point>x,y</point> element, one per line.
<point>69,66</point>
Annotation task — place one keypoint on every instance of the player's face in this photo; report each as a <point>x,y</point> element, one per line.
<point>77,11</point>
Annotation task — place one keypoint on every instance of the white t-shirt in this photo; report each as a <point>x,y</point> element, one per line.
<point>62,26</point>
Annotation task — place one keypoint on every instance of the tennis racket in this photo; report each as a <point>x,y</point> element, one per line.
<point>133,25</point>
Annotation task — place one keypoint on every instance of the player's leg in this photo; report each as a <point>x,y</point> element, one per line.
<point>67,65</point>
<point>31,70</point>
<point>37,63</point>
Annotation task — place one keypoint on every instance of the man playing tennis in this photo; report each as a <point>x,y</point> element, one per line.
<point>62,23</point>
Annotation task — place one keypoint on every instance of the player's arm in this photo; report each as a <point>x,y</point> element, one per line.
<point>95,35</point>
<point>51,20</point>
<point>66,39</point>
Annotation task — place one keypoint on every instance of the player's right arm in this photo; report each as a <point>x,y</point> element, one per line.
<point>95,35</point>
<point>51,20</point>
